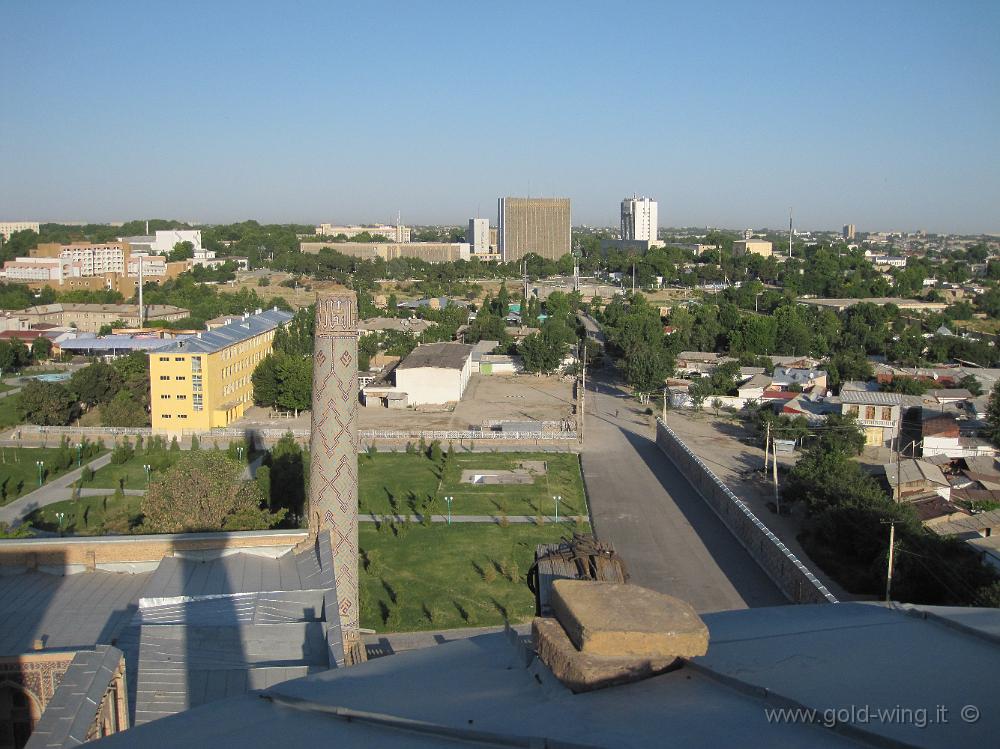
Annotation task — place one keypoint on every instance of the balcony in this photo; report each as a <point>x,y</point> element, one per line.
<point>877,423</point>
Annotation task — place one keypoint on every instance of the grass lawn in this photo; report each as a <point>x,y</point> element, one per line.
<point>9,415</point>
<point>84,516</point>
<point>445,576</point>
<point>397,482</point>
<point>128,475</point>
<point>18,472</point>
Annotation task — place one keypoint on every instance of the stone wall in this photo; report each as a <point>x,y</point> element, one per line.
<point>786,571</point>
<point>138,553</point>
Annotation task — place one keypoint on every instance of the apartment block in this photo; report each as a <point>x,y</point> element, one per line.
<point>93,259</point>
<point>639,220</point>
<point>206,380</point>
<point>478,235</point>
<point>392,233</point>
<point>10,227</point>
<point>538,225</point>
<point>431,252</point>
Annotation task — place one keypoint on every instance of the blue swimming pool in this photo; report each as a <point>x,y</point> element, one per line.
<point>54,377</point>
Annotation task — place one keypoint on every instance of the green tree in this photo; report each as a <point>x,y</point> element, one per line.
<point>47,403</point>
<point>972,384</point>
<point>181,251</point>
<point>205,491</point>
<point>41,349</point>
<point>96,384</point>
<point>992,415</point>
<point>124,410</point>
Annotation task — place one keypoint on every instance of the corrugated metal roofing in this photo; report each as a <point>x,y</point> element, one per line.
<point>228,335</point>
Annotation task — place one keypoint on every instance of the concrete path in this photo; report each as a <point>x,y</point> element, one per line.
<point>669,538</point>
<point>57,490</point>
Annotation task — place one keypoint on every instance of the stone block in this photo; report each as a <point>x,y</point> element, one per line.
<point>582,672</point>
<point>621,620</point>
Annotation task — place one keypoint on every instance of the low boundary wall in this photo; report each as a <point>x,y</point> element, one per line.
<point>785,569</point>
<point>72,554</point>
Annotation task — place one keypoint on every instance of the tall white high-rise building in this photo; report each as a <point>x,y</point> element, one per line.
<point>478,236</point>
<point>639,219</point>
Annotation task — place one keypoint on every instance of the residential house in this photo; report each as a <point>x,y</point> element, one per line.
<point>911,479</point>
<point>878,414</point>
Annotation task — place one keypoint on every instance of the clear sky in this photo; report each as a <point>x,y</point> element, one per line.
<point>882,114</point>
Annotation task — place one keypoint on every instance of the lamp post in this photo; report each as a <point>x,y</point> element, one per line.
<point>79,454</point>
<point>449,500</point>
<point>59,517</point>
<point>239,453</point>
<point>41,469</point>
<point>147,468</point>
<point>557,498</point>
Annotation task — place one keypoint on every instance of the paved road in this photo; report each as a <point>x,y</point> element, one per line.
<point>56,490</point>
<point>670,540</point>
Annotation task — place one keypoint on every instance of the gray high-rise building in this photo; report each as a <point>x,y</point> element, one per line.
<point>848,232</point>
<point>539,225</point>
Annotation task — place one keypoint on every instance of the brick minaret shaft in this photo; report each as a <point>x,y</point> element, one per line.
<point>333,444</point>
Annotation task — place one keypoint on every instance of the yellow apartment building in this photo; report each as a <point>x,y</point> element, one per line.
<point>204,381</point>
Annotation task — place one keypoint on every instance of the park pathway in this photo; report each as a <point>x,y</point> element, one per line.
<point>57,490</point>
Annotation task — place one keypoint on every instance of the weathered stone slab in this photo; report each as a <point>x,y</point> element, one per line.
<point>582,672</point>
<point>621,620</point>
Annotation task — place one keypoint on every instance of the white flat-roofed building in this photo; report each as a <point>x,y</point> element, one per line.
<point>40,269</point>
<point>11,227</point>
<point>435,373</point>
<point>165,240</point>
<point>479,235</point>
<point>94,259</point>
<point>639,221</point>
<point>391,233</point>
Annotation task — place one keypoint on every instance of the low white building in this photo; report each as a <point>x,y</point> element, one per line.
<point>435,373</point>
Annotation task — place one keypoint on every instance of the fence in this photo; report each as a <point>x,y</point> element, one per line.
<point>272,434</point>
<point>785,569</point>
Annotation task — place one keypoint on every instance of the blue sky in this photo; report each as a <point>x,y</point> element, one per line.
<point>881,114</point>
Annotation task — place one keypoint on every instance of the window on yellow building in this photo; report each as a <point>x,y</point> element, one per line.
<point>164,377</point>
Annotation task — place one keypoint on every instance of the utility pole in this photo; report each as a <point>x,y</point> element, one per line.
<point>664,404</point>
<point>892,555</point>
<point>899,476</point>
<point>774,467</point>
<point>767,444</point>
<point>633,279</point>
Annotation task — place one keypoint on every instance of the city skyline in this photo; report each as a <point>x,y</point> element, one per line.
<point>230,112</point>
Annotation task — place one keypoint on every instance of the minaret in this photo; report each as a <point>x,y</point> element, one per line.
<point>333,445</point>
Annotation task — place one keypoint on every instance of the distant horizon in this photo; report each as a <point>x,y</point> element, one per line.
<point>726,113</point>
<point>575,225</point>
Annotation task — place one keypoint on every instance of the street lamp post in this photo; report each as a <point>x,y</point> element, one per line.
<point>449,500</point>
<point>59,517</point>
<point>557,498</point>
<point>239,452</point>
<point>79,454</point>
<point>147,468</point>
<point>41,469</point>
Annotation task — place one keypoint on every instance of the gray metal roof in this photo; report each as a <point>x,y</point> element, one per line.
<point>236,332</point>
<point>207,629</point>
<point>75,611</point>
<point>70,713</point>
<point>437,355</point>
<point>117,343</point>
<point>825,657</point>
<point>868,398</point>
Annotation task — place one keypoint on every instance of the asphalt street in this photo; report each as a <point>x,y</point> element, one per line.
<point>669,538</point>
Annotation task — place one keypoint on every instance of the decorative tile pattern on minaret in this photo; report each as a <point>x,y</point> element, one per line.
<point>333,444</point>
